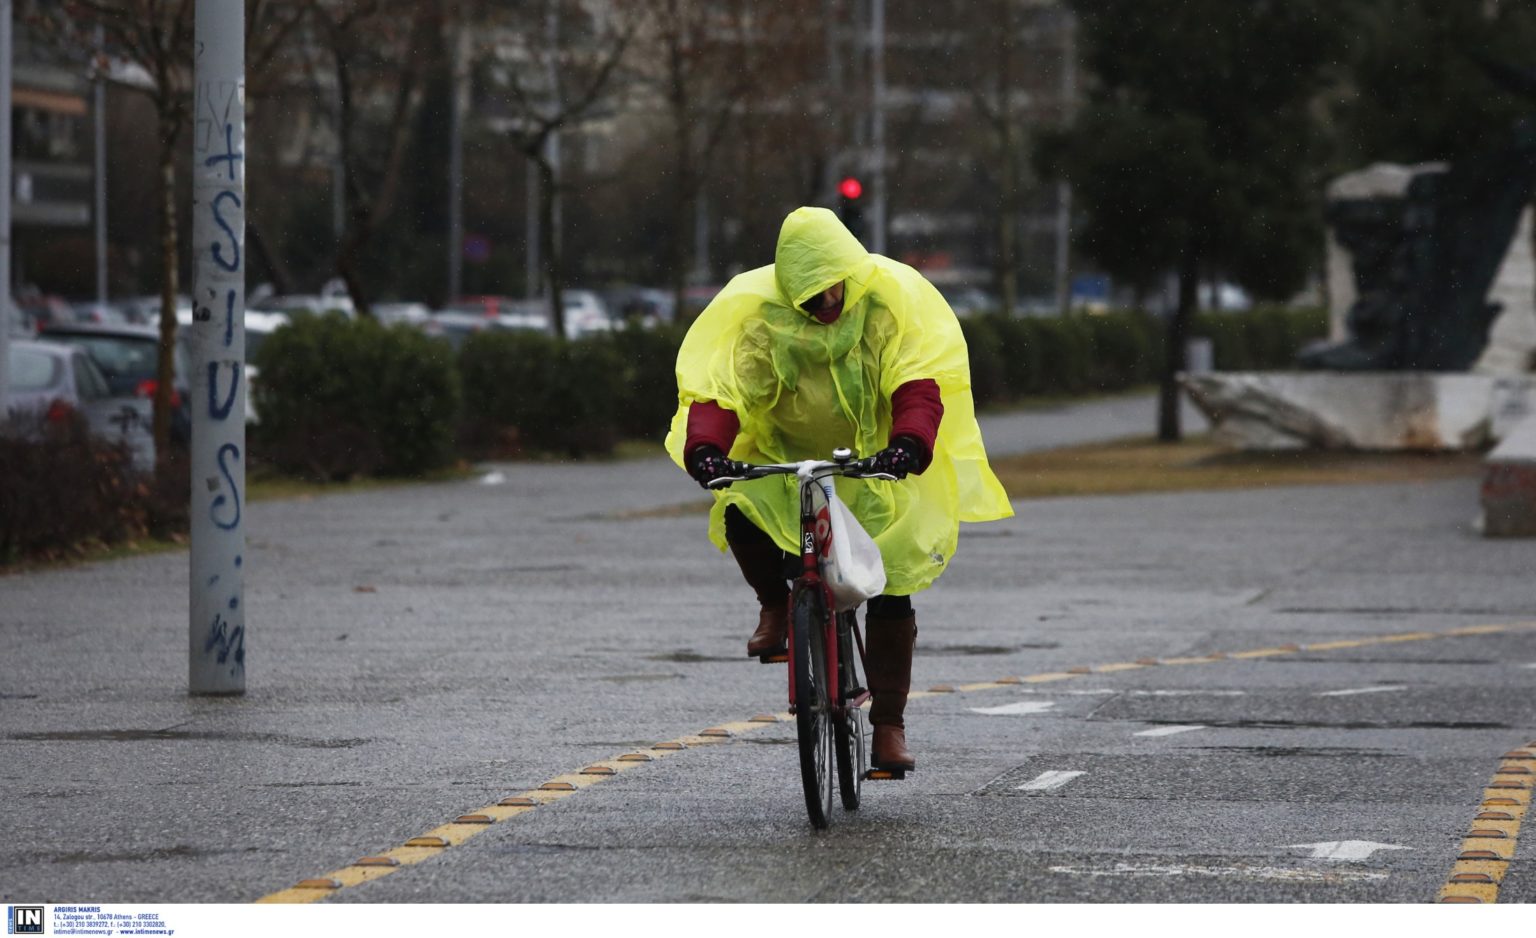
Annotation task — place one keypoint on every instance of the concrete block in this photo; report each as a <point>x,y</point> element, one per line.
<point>1361,410</point>
<point>1509,485</point>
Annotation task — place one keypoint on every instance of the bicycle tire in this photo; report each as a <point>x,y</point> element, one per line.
<point>813,709</point>
<point>848,733</point>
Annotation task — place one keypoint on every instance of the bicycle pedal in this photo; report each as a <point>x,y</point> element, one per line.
<point>881,775</point>
<point>774,657</point>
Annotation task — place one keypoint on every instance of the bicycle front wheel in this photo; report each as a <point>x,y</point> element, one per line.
<point>848,730</point>
<point>813,706</point>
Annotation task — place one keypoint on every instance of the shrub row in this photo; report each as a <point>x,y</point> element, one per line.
<point>1262,339</point>
<point>66,490</point>
<point>339,398</point>
<point>1013,358</point>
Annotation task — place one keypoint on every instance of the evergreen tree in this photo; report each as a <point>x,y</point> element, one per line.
<point>1198,148</point>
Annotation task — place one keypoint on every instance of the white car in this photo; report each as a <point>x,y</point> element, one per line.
<point>412,314</point>
<point>585,313</point>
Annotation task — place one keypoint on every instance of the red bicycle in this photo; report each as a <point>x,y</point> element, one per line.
<point>826,649</point>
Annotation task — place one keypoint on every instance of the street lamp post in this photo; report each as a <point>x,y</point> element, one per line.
<point>6,311</point>
<point>99,119</point>
<point>216,637</point>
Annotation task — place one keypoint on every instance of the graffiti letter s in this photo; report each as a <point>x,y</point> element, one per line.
<point>227,449</point>
<point>218,256</point>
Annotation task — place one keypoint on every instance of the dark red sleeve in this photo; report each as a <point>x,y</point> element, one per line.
<point>709,423</point>
<point>916,409</point>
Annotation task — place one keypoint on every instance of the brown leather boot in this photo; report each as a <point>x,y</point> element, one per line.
<point>888,661</point>
<point>762,564</point>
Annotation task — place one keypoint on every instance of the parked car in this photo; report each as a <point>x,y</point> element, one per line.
<point>644,306</point>
<point>128,357</point>
<point>502,312</point>
<point>52,382</point>
<point>585,313</point>
<point>304,303</point>
<point>93,311</point>
<point>412,314</point>
<point>970,301</point>
<point>19,322</point>
<point>44,310</point>
<point>455,327</point>
<point>149,307</point>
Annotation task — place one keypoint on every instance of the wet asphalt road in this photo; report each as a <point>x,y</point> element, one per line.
<point>420,653</point>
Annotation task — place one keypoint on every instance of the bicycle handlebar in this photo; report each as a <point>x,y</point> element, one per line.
<point>808,469</point>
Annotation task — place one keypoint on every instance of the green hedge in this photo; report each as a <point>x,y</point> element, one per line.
<point>1018,357</point>
<point>1265,338</point>
<point>339,397</point>
<point>526,393</point>
<point>66,490</point>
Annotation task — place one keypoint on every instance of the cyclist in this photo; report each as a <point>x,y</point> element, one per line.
<point>833,346</point>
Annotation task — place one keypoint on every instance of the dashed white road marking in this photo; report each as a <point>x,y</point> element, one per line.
<point>1016,709</point>
<point>1046,781</point>
<point>1349,851</point>
<point>1105,692</point>
<point>494,478</point>
<point>1170,730</point>
<point>1385,688</point>
<point>1244,872</point>
<point>1531,665</point>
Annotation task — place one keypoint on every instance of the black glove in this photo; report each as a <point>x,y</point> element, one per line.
<point>902,457</point>
<point>706,464</point>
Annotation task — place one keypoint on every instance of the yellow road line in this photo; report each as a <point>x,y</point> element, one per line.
<point>1504,794</point>
<point>1489,846</point>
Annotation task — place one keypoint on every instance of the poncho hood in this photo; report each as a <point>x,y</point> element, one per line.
<point>815,251</point>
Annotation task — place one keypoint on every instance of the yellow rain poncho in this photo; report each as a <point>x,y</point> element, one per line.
<point>802,389</point>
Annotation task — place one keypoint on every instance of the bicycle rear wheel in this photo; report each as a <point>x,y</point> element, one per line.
<point>813,707</point>
<point>848,732</point>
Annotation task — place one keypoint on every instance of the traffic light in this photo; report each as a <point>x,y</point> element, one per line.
<point>850,207</point>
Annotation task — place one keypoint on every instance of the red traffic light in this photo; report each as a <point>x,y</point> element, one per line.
<point>850,188</point>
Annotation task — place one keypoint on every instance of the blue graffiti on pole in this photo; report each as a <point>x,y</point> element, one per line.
<point>229,319</point>
<point>217,410</point>
<point>226,450</point>
<point>228,639</point>
<point>229,155</point>
<point>233,264</point>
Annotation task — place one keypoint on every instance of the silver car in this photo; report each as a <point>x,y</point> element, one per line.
<point>51,382</point>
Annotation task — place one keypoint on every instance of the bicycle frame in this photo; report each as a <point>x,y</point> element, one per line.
<point>814,474</point>
<point>829,728</point>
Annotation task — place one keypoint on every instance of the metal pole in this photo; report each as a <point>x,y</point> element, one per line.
<point>99,106</point>
<point>531,232</point>
<point>216,638</point>
<point>556,105</point>
<point>1063,190</point>
<point>456,165</point>
<point>831,170</point>
<point>6,306</point>
<point>877,125</point>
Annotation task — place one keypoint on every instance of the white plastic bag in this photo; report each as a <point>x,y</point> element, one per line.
<point>850,560</point>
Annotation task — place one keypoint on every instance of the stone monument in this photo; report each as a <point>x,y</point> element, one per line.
<point>1432,290</point>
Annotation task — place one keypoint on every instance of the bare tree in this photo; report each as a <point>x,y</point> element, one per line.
<point>554,72</point>
<point>148,47</point>
<point>702,59</point>
<point>376,54</point>
<point>1000,99</point>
